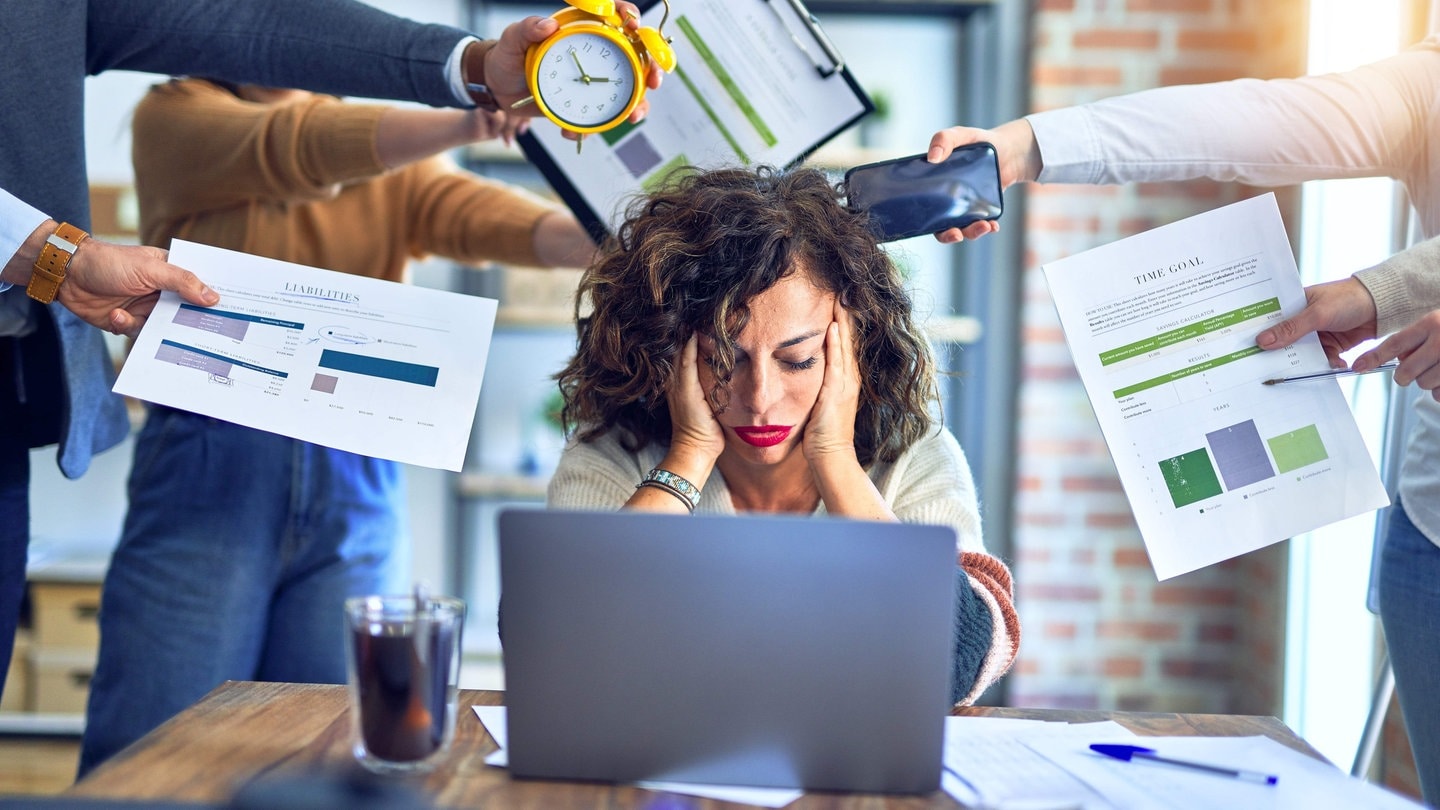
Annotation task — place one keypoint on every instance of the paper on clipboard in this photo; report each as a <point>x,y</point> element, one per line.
<point>756,82</point>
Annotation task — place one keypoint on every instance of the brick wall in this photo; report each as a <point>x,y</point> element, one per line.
<point>1100,631</point>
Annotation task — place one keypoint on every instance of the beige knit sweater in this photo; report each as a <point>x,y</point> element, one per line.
<point>1404,286</point>
<point>930,483</point>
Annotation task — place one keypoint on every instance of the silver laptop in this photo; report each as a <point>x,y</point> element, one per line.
<point>768,651</point>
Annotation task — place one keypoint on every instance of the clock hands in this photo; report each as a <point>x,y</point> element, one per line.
<point>585,77</point>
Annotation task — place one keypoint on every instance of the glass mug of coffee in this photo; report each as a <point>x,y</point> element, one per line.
<point>404,666</point>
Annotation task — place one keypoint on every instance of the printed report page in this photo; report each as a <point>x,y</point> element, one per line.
<point>1162,329</point>
<point>350,362</point>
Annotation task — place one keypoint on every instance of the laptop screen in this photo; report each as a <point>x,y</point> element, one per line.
<point>779,651</point>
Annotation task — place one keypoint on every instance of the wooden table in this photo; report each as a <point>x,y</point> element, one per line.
<point>243,730</point>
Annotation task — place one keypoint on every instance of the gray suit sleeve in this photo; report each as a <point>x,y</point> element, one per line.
<point>329,46</point>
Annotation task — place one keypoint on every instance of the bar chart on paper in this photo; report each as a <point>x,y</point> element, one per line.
<point>1210,360</point>
<point>264,335</point>
<point>348,362</point>
<point>1162,328</point>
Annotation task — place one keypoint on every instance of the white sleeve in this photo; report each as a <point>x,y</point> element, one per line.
<point>455,73</point>
<point>17,221</point>
<point>1370,121</point>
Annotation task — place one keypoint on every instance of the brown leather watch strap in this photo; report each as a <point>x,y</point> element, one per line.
<point>55,256</point>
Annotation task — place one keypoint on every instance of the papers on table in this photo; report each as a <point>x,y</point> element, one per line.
<point>1162,328</point>
<point>493,717</point>
<point>988,763</point>
<point>1014,764</point>
<point>349,362</point>
<point>1303,782</point>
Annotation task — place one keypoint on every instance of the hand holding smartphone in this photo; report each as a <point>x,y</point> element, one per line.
<point>910,196</point>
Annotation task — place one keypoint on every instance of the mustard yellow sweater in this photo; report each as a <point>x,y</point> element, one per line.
<point>300,181</point>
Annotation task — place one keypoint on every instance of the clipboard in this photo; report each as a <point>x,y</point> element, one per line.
<point>756,82</point>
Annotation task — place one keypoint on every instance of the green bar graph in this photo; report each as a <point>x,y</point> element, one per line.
<point>1190,477</point>
<point>1298,448</point>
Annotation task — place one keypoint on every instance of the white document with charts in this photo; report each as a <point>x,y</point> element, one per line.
<point>1162,328</point>
<point>349,362</point>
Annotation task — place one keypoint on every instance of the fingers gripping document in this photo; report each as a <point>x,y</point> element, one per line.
<point>1162,329</point>
<point>354,363</point>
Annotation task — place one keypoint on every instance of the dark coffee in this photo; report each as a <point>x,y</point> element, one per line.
<point>402,682</point>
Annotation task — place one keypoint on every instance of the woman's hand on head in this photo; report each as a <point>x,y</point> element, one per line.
<point>830,431</point>
<point>696,437</point>
<point>694,428</point>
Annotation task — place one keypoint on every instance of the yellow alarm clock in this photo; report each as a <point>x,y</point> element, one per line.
<point>590,74</point>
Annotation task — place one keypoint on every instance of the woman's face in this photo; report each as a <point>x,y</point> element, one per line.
<point>779,365</point>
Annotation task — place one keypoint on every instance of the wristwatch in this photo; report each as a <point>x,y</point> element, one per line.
<point>479,91</point>
<point>55,256</point>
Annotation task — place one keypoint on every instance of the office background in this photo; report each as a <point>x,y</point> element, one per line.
<point>1100,632</point>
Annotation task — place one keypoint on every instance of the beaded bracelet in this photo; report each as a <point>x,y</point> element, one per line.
<point>688,493</point>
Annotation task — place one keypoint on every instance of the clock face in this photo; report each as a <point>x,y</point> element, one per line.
<point>585,79</point>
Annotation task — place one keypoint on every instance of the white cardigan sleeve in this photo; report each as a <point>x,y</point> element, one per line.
<point>1367,122</point>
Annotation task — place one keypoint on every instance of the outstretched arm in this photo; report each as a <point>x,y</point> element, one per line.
<point>1396,295</point>
<point>1360,123</point>
<point>113,287</point>
<point>405,135</point>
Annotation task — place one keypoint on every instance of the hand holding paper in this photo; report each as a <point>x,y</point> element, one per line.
<point>1162,327</point>
<point>373,367</point>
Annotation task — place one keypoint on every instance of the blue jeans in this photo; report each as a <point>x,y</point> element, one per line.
<point>238,551</point>
<point>1410,610</point>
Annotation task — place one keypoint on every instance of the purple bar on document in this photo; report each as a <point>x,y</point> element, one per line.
<point>185,359</point>
<point>212,322</point>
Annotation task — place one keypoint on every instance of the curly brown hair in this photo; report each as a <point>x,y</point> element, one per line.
<point>690,256</point>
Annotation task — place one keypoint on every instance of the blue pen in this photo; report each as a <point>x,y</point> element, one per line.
<point>1131,752</point>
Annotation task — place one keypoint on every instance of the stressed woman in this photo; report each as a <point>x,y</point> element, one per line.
<point>746,346</point>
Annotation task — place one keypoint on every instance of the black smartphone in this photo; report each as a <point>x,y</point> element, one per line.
<point>909,196</point>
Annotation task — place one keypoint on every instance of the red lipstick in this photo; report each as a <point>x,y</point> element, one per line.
<point>764,435</point>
